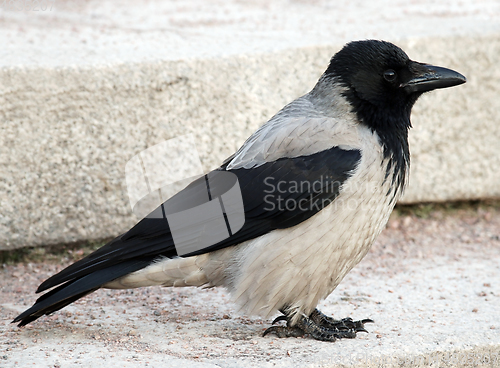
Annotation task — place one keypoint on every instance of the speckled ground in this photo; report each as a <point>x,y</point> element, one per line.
<point>431,283</point>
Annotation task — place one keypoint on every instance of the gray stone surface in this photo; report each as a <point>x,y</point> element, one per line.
<point>431,286</point>
<point>86,86</point>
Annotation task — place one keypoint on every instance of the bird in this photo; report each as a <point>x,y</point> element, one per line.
<point>318,182</point>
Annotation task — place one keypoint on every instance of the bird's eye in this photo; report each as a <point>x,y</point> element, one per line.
<point>390,75</point>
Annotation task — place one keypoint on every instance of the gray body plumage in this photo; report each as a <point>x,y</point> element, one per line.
<point>299,266</point>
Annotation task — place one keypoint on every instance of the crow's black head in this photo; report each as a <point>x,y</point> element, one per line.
<point>382,84</point>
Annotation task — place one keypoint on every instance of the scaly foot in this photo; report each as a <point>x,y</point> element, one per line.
<point>319,326</point>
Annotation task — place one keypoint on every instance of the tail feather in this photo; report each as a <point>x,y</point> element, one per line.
<point>73,290</point>
<point>117,251</point>
<point>35,312</point>
<point>101,258</point>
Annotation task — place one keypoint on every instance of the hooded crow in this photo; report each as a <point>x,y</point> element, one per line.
<point>318,182</point>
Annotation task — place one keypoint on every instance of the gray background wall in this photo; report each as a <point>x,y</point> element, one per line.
<point>83,88</point>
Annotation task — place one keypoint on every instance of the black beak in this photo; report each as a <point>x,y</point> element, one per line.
<point>428,77</point>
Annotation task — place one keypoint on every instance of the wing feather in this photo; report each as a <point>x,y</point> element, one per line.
<point>264,210</point>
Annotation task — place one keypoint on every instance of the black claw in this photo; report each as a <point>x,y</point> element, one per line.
<point>280,318</point>
<point>360,325</point>
<point>269,330</point>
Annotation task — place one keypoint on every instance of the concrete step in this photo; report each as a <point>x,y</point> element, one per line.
<point>84,86</point>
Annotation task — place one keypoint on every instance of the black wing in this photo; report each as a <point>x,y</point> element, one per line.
<point>275,195</point>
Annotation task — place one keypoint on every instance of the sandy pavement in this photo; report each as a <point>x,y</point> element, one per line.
<point>431,283</point>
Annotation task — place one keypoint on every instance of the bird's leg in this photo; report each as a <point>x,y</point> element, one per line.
<point>319,326</point>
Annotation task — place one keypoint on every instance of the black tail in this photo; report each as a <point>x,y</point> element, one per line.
<point>129,252</point>
<point>75,289</point>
